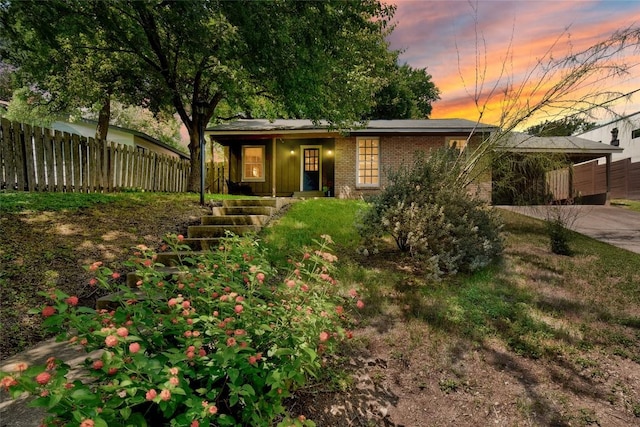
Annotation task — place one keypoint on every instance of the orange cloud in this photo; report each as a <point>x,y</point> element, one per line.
<point>499,45</point>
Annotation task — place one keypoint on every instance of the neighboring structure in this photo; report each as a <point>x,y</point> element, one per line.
<point>296,157</point>
<point>624,133</point>
<point>560,184</point>
<point>129,137</point>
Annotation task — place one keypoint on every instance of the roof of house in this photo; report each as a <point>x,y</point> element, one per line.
<point>67,127</point>
<point>577,148</point>
<point>263,126</point>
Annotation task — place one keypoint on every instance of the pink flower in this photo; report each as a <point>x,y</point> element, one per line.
<point>195,423</point>
<point>43,378</point>
<point>73,300</point>
<point>238,309</point>
<point>112,371</point>
<point>95,265</point>
<point>115,275</point>
<point>291,283</point>
<point>260,277</point>
<point>147,263</point>
<point>252,360</point>
<point>360,304</point>
<point>213,409</point>
<point>122,332</point>
<point>7,382</point>
<point>339,309</point>
<point>21,366</point>
<point>87,423</point>
<point>324,336</point>
<point>186,304</point>
<point>174,381</point>
<point>134,347</point>
<point>174,371</point>
<point>180,237</point>
<point>231,342</point>
<point>98,364</point>
<point>111,341</point>
<point>93,281</point>
<point>353,293</point>
<point>165,395</point>
<point>151,394</point>
<point>172,302</point>
<point>48,311</point>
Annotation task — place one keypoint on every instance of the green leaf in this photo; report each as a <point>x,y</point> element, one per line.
<point>82,394</point>
<point>99,422</point>
<point>125,412</point>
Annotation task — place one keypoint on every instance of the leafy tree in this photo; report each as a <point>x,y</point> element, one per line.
<point>408,95</point>
<point>566,126</point>
<point>65,61</point>
<point>313,59</point>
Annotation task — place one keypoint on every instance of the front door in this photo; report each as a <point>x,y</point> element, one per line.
<point>311,168</point>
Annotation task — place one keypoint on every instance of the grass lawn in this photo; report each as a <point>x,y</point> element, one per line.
<point>537,339</point>
<point>634,205</point>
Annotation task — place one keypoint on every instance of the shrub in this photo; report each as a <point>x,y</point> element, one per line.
<point>223,342</point>
<point>432,217</point>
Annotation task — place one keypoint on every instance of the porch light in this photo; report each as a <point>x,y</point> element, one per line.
<point>329,152</point>
<point>293,152</point>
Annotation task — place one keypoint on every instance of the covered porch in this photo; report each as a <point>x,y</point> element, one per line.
<point>278,162</point>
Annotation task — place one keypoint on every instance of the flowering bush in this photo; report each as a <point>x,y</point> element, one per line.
<point>430,215</point>
<point>221,342</point>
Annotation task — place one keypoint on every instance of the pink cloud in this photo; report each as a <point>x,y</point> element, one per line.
<point>441,36</point>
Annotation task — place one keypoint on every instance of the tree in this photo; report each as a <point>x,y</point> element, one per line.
<point>566,126</point>
<point>313,59</point>
<point>408,95</point>
<point>63,59</point>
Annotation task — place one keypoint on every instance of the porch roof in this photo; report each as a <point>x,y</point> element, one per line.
<point>576,148</point>
<point>248,127</point>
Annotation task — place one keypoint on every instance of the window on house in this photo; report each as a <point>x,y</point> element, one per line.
<point>635,134</point>
<point>368,158</point>
<point>457,143</point>
<point>253,163</point>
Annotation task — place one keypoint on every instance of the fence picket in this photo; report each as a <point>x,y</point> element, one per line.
<point>40,159</point>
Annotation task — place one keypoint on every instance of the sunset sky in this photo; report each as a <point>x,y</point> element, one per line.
<point>434,34</point>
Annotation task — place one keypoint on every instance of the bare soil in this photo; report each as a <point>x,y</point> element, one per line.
<point>398,371</point>
<point>46,250</point>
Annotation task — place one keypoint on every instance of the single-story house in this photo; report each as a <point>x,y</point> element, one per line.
<point>129,137</point>
<point>298,157</point>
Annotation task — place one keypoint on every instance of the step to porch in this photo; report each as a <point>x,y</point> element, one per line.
<point>238,216</point>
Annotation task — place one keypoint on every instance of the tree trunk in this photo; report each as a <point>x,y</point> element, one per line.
<point>194,150</point>
<point>103,119</point>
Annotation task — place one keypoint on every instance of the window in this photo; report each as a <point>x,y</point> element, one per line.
<point>253,163</point>
<point>368,158</point>
<point>457,143</point>
<point>635,134</point>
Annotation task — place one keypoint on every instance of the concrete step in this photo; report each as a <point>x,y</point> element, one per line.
<point>243,210</point>
<point>307,194</point>
<point>235,220</point>
<point>220,230</point>
<point>264,202</point>
<point>202,243</point>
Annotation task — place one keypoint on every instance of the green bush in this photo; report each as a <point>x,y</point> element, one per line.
<point>222,343</point>
<point>432,217</point>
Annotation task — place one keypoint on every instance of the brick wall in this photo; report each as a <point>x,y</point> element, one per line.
<point>394,150</point>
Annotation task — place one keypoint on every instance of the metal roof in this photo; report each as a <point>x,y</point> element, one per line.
<point>262,126</point>
<point>577,149</point>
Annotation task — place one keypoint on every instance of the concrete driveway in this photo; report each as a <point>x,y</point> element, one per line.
<point>610,224</point>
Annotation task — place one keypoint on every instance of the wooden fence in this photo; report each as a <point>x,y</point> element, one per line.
<point>40,159</point>
<point>590,178</point>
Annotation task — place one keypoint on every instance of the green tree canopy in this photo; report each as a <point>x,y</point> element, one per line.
<point>566,126</point>
<point>322,60</point>
<point>408,94</point>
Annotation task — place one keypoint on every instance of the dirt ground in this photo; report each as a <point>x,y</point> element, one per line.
<point>50,249</point>
<point>406,373</point>
<point>398,371</point>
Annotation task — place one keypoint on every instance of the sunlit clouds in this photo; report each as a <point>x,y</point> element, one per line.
<point>480,49</point>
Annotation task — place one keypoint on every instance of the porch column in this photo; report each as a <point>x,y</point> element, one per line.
<point>273,166</point>
<point>608,179</point>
